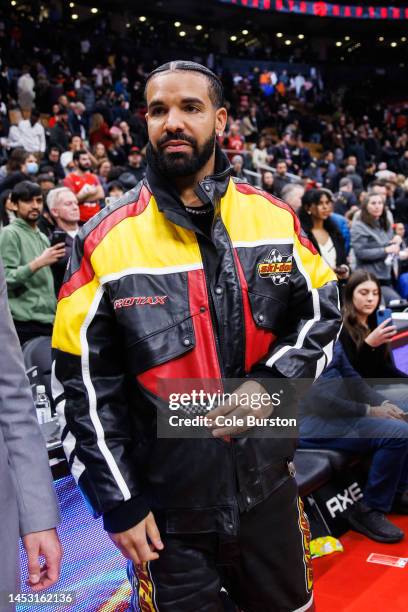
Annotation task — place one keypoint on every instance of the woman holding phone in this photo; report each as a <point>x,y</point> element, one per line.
<point>365,341</point>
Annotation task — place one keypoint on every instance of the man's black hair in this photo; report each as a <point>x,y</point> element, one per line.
<point>215,88</point>
<point>25,191</point>
<point>77,154</point>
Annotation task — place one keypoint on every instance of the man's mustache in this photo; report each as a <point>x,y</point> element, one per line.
<point>177,136</point>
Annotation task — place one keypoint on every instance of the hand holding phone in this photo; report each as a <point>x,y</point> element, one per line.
<point>383,314</point>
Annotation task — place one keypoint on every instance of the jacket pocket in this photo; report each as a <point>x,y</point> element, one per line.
<point>268,312</point>
<point>162,346</point>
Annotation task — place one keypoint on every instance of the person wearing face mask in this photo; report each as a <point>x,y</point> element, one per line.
<point>32,165</point>
<point>374,243</point>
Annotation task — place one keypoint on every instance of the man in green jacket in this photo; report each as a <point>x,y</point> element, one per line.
<point>27,257</point>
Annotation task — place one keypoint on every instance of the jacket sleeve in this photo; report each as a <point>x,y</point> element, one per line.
<point>16,274</point>
<point>364,247</point>
<point>27,455</point>
<point>305,345</point>
<point>89,388</point>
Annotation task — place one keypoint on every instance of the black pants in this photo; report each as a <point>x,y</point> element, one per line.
<point>265,568</point>
<point>27,330</point>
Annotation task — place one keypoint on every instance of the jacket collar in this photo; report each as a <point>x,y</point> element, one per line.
<point>210,189</point>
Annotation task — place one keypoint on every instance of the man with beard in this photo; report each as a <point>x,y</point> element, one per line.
<point>85,185</point>
<point>166,285</point>
<point>27,257</point>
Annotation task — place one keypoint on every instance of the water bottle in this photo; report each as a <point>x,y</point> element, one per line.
<point>42,405</point>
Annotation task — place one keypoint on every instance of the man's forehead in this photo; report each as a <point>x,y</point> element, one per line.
<point>177,84</point>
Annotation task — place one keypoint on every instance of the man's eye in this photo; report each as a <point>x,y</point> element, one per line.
<point>192,109</point>
<point>157,111</point>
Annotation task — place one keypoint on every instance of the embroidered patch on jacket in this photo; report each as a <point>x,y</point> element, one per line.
<point>276,266</point>
<point>140,300</point>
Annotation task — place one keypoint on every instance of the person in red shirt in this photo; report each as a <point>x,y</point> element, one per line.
<point>85,184</point>
<point>234,143</point>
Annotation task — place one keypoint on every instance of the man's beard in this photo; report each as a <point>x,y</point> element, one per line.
<point>84,168</point>
<point>174,165</point>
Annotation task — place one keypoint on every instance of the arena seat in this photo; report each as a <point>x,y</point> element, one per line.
<point>338,460</point>
<point>37,355</point>
<point>313,470</point>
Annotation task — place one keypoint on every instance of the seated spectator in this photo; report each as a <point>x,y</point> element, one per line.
<point>345,200</point>
<point>27,257</point>
<point>233,142</point>
<point>136,164</point>
<point>237,163</point>
<point>52,159</point>
<point>103,169</point>
<point>267,182</point>
<point>117,150</point>
<point>374,243</point>
<point>292,194</point>
<point>99,131</point>
<point>78,120</point>
<point>99,151</point>
<point>32,165</point>
<point>64,209</point>
<point>46,183</point>
<point>30,134</point>
<point>7,211</point>
<point>16,170</point>
<point>341,412</point>
<point>366,343</point>
<point>260,155</point>
<point>322,231</point>
<point>281,178</point>
<point>114,190</point>
<point>60,134</point>
<point>85,185</point>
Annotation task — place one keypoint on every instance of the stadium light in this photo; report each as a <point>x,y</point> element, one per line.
<point>182,33</point>
<point>71,4</point>
<point>339,43</point>
<point>142,18</point>
<point>74,16</point>
<point>393,44</point>
<point>245,32</point>
<point>288,42</point>
<point>128,25</point>
<point>347,38</point>
<point>279,35</point>
<point>381,39</point>
<point>199,27</point>
<point>301,36</point>
<point>13,2</point>
<point>177,24</point>
<point>94,10</point>
<point>233,38</point>
<point>404,39</point>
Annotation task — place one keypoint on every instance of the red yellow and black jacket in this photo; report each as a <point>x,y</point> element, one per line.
<point>148,297</point>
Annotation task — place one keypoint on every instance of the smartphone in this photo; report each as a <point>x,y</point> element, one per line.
<point>383,314</point>
<point>58,237</point>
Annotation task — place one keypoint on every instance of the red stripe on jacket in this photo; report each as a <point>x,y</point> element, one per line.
<point>257,340</point>
<point>85,272</point>
<point>199,363</point>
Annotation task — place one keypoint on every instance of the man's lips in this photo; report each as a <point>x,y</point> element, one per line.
<point>176,145</point>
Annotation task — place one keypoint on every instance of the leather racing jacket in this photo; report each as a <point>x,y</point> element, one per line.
<point>147,297</point>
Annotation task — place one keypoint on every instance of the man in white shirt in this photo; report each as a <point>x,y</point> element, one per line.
<point>31,134</point>
<point>25,89</point>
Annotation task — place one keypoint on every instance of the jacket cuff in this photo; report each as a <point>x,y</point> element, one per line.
<point>126,515</point>
<point>24,273</point>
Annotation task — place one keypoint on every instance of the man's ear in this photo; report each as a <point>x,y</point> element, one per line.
<point>220,119</point>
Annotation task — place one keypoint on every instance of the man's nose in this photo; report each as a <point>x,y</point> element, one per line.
<point>174,121</point>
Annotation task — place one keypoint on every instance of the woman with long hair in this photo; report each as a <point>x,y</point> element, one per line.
<point>322,231</point>
<point>366,343</point>
<point>99,131</point>
<point>374,243</point>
